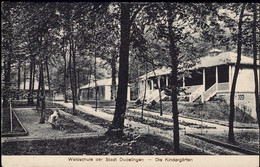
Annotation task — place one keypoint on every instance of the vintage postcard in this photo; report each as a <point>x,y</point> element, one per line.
<point>129,84</point>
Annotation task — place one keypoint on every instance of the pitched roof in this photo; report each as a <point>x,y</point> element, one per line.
<point>222,58</point>
<point>208,61</point>
<point>158,72</point>
<point>215,50</point>
<point>102,82</point>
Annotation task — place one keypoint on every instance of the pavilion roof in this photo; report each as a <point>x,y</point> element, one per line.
<point>207,61</point>
<point>221,59</point>
<point>158,72</point>
<point>101,82</point>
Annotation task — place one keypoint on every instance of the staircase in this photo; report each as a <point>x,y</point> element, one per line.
<point>155,96</point>
<point>209,93</point>
<point>204,96</point>
<point>196,94</point>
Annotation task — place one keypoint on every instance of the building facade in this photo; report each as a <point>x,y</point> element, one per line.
<point>211,76</point>
<point>101,91</point>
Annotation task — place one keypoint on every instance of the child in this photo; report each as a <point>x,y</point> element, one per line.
<point>53,118</point>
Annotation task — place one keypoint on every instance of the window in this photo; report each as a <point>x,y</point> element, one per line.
<point>241,97</point>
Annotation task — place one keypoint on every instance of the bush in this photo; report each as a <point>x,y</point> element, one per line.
<point>153,105</point>
<point>138,102</point>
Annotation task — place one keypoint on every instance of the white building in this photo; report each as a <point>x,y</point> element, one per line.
<point>211,76</point>
<point>104,86</point>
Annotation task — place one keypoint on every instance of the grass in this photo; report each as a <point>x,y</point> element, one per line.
<point>244,139</point>
<point>24,103</point>
<point>90,118</point>
<point>17,127</point>
<point>136,116</point>
<point>68,125</point>
<point>128,145</point>
<point>217,111</point>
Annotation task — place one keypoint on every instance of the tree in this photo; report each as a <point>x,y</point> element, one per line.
<point>174,52</point>
<point>118,121</point>
<point>178,25</point>
<point>231,137</point>
<point>7,53</point>
<point>254,34</point>
<point>145,85</point>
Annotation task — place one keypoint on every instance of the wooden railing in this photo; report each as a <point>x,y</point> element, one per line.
<point>148,94</point>
<point>197,93</point>
<point>210,92</point>
<point>157,98</point>
<point>223,86</point>
<point>152,95</point>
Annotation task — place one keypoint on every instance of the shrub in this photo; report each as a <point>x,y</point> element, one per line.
<point>138,102</point>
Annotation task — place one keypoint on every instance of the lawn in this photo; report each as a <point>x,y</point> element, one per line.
<point>89,118</point>
<point>17,128</point>
<point>133,145</point>
<point>214,111</point>
<point>244,139</point>
<point>67,125</point>
<point>128,145</point>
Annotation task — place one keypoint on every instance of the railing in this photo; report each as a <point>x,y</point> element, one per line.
<point>147,95</point>
<point>223,86</point>
<point>157,98</point>
<point>152,95</point>
<point>210,92</point>
<point>194,95</point>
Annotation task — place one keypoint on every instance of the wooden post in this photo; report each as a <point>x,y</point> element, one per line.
<point>152,84</point>
<point>230,77</point>
<point>204,84</point>
<point>159,81</point>
<point>11,114</point>
<point>183,81</point>
<point>167,81</point>
<point>216,78</point>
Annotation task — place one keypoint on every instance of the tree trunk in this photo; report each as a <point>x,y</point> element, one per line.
<point>74,71</point>
<point>65,74</point>
<point>30,86</point>
<point>7,93</point>
<point>19,79</point>
<point>160,94</point>
<point>145,87</point>
<point>231,137</point>
<point>113,86</point>
<point>174,64</point>
<point>24,76</point>
<point>78,83</point>
<point>38,90</point>
<point>95,75</point>
<point>119,116</point>
<point>71,82</point>
<point>42,85</point>
<point>255,63</point>
<point>89,81</point>
<point>48,76</point>
<point>33,81</point>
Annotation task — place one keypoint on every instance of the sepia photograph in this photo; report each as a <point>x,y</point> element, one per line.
<point>130,84</point>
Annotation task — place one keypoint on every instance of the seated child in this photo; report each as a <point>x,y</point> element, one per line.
<point>53,118</point>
